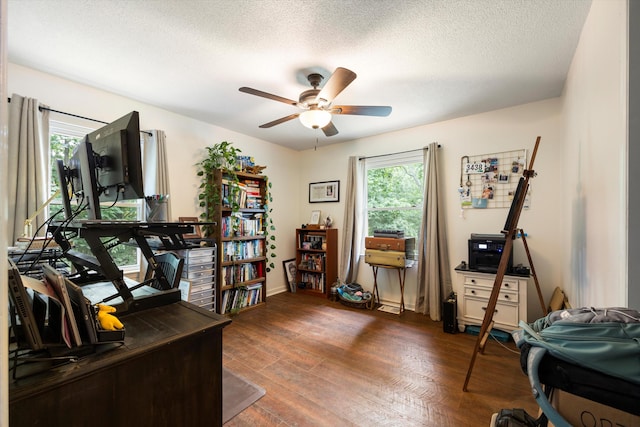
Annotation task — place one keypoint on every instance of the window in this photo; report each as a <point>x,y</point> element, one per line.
<point>394,193</point>
<point>64,138</point>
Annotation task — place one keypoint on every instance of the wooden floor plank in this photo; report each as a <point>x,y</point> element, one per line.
<point>324,364</point>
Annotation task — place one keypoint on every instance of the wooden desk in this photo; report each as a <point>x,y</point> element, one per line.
<point>167,373</point>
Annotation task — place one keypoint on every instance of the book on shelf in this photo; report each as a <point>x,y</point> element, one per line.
<point>247,193</point>
<point>312,261</point>
<point>242,297</point>
<point>313,281</point>
<point>233,274</point>
<point>241,225</point>
<point>236,250</point>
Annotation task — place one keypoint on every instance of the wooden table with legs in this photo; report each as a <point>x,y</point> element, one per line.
<point>402,272</point>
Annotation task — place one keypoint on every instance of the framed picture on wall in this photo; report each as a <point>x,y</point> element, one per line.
<point>323,192</point>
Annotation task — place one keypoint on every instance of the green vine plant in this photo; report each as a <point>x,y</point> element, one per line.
<point>270,238</point>
<point>225,156</point>
<point>219,156</point>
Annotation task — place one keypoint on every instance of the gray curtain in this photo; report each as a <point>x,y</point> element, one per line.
<point>156,166</point>
<point>353,227</point>
<point>434,276</point>
<point>28,173</point>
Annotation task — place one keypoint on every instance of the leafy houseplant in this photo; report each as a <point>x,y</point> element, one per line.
<point>224,156</point>
<point>219,156</point>
<point>270,239</point>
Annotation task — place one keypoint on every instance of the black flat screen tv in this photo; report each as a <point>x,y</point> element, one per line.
<point>106,166</point>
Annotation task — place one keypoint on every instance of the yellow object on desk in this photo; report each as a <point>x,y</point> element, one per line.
<point>107,320</point>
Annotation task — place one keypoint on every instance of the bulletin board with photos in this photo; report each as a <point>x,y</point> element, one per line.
<point>490,180</point>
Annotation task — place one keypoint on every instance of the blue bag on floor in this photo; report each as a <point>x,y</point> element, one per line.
<point>605,340</point>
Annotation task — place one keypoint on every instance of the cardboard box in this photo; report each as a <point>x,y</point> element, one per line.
<point>583,412</point>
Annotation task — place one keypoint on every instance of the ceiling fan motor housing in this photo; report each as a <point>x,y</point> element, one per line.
<point>318,110</point>
<point>308,99</point>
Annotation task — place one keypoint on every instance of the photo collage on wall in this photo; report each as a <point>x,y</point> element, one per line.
<point>490,180</point>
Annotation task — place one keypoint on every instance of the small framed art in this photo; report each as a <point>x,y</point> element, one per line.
<point>315,218</point>
<point>290,270</point>
<point>196,228</point>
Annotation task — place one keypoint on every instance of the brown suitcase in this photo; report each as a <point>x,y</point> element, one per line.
<point>390,258</point>
<point>405,244</point>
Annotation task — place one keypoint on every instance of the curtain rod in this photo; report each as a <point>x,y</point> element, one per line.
<point>399,152</point>
<point>41,108</point>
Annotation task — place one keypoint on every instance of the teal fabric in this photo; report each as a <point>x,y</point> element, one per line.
<point>606,340</point>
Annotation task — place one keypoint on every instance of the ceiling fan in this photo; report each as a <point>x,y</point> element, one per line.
<point>316,103</point>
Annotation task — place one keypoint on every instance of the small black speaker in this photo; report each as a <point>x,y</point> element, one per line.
<point>450,314</point>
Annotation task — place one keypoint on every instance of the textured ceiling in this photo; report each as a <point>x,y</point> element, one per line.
<point>430,60</point>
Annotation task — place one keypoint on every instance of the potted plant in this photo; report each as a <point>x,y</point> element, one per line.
<point>219,156</point>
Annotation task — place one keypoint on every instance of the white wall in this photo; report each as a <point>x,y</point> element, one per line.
<point>497,131</point>
<point>4,215</point>
<point>576,223</point>
<point>594,178</point>
<point>186,142</point>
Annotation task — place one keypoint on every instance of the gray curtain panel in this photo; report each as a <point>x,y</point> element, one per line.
<point>434,276</point>
<point>156,166</point>
<point>353,227</point>
<point>29,173</point>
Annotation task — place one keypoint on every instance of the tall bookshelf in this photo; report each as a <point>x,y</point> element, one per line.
<point>316,260</point>
<point>240,232</point>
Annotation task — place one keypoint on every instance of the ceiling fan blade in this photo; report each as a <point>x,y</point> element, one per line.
<point>340,79</point>
<point>362,110</point>
<point>330,129</point>
<point>267,95</point>
<point>280,120</point>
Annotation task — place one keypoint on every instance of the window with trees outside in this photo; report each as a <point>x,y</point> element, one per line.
<point>64,138</point>
<point>394,193</point>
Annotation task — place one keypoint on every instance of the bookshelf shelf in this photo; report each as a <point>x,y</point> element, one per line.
<point>241,260</point>
<point>241,284</point>
<point>316,260</point>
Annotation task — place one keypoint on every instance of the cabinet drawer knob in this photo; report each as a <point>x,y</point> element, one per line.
<point>485,309</point>
<point>473,291</point>
<point>473,280</point>
<point>506,285</point>
<point>506,297</point>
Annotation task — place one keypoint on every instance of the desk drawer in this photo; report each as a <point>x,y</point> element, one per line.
<point>485,293</point>
<point>200,281</point>
<point>197,274</point>
<point>505,313</point>
<point>200,293</point>
<point>197,267</point>
<point>507,284</point>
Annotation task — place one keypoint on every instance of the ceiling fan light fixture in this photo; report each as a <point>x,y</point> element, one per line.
<point>315,119</point>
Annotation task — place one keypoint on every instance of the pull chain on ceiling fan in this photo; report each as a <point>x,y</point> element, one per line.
<point>316,103</point>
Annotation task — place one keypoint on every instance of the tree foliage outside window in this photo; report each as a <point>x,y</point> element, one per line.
<point>62,147</point>
<point>394,198</point>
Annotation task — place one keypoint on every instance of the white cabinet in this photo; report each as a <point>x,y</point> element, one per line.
<point>511,306</point>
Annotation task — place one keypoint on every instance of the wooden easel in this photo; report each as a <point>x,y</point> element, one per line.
<point>511,231</point>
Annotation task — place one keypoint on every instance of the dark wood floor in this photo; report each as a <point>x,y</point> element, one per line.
<point>324,364</point>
